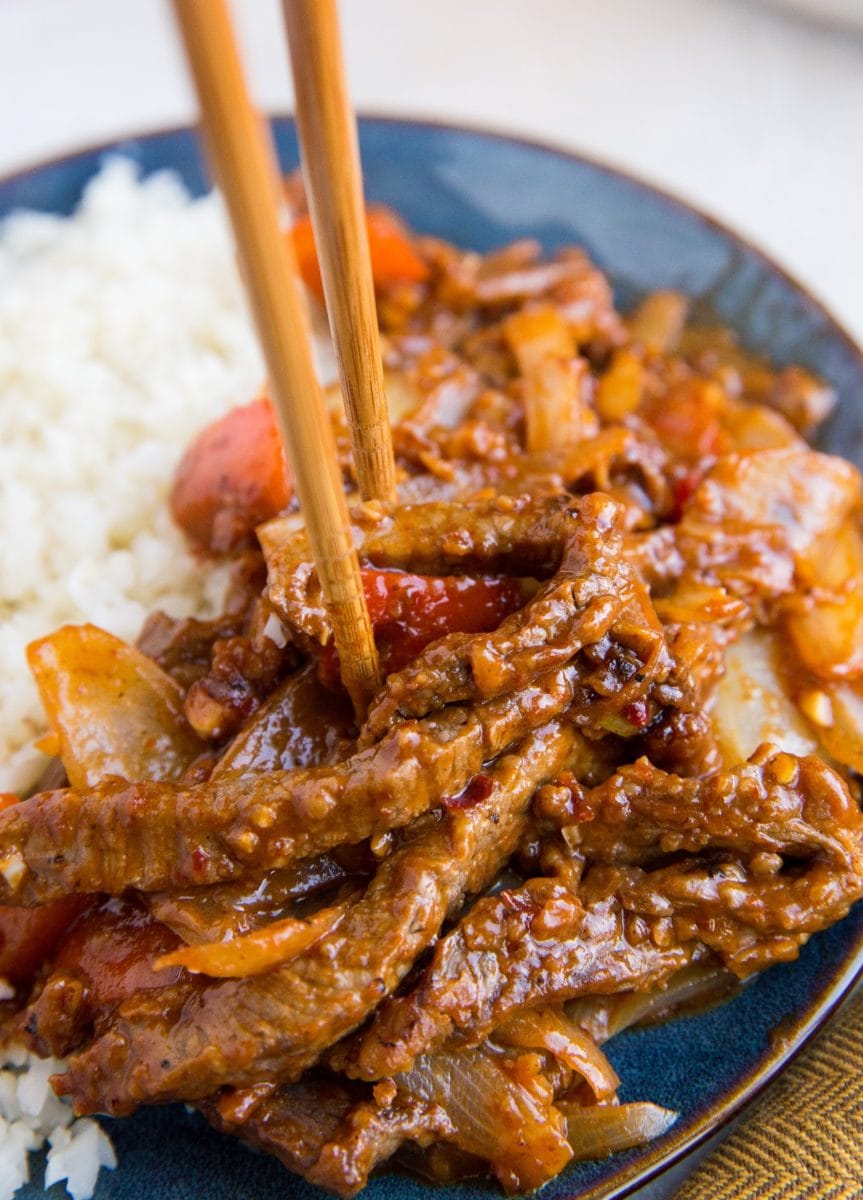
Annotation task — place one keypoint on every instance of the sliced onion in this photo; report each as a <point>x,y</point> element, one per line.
<point>555,412</point>
<point>256,952</point>
<point>402,396</point>
<point>301,724</point>
<point>700,604</point>
<point>550,1029</point>
<point>603,1129</point>
<point>113,710</point>
<point>658,321</point>
<point>755,427</point>
<point>222,911</point>
<point>621,388</point>
<point>836,561</point>
<point>694,987</point>
<point>843,737</point>
<point>501,1109</point>
<point>828,635</point>
<point>752,706</point>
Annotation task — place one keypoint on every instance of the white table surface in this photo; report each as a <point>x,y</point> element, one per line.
<point>754,114</point>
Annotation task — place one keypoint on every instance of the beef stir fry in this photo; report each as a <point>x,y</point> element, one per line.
<point>611,772</point>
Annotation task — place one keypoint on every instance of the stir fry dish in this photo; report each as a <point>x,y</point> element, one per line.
<point>611,772</point>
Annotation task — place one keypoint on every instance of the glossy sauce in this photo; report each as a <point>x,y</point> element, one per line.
<point>113,947</point>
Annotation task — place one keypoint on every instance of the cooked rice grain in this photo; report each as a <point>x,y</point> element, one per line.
<point>30,1115</point>
<point>122,332</point>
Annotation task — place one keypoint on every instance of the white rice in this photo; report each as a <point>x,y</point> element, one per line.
<point>30,1115</point>
<point>122,332</point>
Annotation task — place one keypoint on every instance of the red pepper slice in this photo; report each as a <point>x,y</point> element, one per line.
<point>29,936</point>
<point>410,611</point>
<point>114,947</point>
<point>394,260</point>
<point>232,477</point>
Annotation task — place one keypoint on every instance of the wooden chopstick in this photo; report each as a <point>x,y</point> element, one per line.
<point>245,167</point>
<point>331,162</point>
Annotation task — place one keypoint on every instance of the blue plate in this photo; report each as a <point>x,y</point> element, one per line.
<point>482,190</point>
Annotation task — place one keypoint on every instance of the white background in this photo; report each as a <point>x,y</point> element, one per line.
<point>755,114</point>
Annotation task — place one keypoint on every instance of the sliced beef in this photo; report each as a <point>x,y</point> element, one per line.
<point>184,647</point>
<point>774,804</point>
<point>630,928</point>
<point>589,599</point>
<point>682,738</point>
<point>274,1026</point>
<point>106,957</point>
<point>749,917</point>
<point>577,608</point>
<point>493,1108</point>
<point>155,836</point>
<point>59,1019</point>
<point>323,1130</point>
<point>522,947</point>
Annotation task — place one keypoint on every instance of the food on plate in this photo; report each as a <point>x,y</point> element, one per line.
<point>609,775</point>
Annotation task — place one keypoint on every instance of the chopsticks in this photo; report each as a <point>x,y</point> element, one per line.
<point>330,152</point>
<point>245,167</point>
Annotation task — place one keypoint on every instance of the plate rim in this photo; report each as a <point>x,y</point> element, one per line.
<point>493,133</point>
<point>678,1144</point>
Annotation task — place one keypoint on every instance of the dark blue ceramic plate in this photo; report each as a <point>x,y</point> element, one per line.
<point>481,191</point>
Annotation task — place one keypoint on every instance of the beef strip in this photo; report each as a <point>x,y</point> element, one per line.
<point>630,468</point>
<point>750,919</point>
<point>576,608</point>
<point>184,647</point>
<point>621,462</point>
<point>522,947</point>
<point>629,928</point>
<point>333,1137</point>
<point>682,737</point>
<point>775,803</point>
<point>156,836</point>
<point>59,1019</point>
<point>501,535</point>
<point>200,1036</point>
<point>699,622</point>
<point>593,600</point>
<point>490,1107</point>
<point>494,1108</point>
